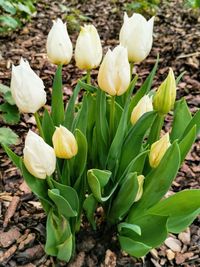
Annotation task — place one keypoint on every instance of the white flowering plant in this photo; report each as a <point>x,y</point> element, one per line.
<point>109,149</point>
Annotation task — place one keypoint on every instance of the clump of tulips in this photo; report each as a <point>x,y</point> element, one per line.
<point>109,149</point>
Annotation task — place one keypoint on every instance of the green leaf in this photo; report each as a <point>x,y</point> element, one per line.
<point>186,143</point>
<point>69,194</point>
<point>180,77</point>
<point>125,198</point>
<point>80,121</point>
<point>8,7</point>
<point>14,157</point>
<point>87,87</point>
<point>144,89</point>
<point>7,136</point>
<point>90,205</point>
<point>133,227</point>
<point>10,113</point>
<point>70,109</point>
<point>9,22</point>
<point>182,117</point>
<point>4,89</point>
<point>47,127</point>
<point>8,98</point>
<point>24,8</point>
<point>65,249</point>
<point>133,248</point>
<point>134,139</point>
<point>61,203</point>
<point>157,182</point>
<point>194,121</point>
<point>57,105</point>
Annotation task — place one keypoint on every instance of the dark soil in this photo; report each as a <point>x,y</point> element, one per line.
<point>22,221</point>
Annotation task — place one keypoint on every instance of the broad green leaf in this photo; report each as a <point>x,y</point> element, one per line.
<point>48,127</point>
<point>69,194</point>
<point>194,121</point>
<point>153,230</point>
<point>134,139</point>
<point>157,182</point>
<point>10,113</point>
<point>90,205</point>
<point>4,89</point>
<point>70,109</point>
<point>182,117</point>
<point>87,87</point>
<point>38,186</point>
<point>7,136</point>
<point>181,203</point>
<point>52,235</point>
<point>186,142</point>
<point>8,98</point>
<point>8,6</point>
<point>57,105</point>
<point>133,227</point>
<point>24,8</point>
<point>156,127</point>
<point>144,89</point>
<point>80,122</point>
<point>125,198</point>
<point>14,157</point>
<point>65,249</point>
<point>133,248</point>
<point>9,22</point>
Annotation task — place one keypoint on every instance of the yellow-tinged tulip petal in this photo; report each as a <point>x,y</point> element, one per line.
<point>59,46</point>
<point>140,188</point>
<point>39,157</point>
<point>88,51</point>
<point>165,96</point>
<point>136,35</point>
<point>158,150</point>
<point>114,73</point>
<point>64,143</point>
<point>143,106</point>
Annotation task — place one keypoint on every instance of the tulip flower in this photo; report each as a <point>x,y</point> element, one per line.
<point>158,150</point>
<point>114,72</point>
<point>39,157</point>
<point>88,51</point>
<point>59,46</point>
<point>140,179</point>
<point>64,143</point>
<point>27,88</point>
<point>137,35</point>
<point>143,106</point>
<point>165,96</point>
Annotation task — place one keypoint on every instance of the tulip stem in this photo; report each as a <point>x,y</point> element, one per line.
<point>88,76</point>
<point>112,117</point>
<point>37,119</point>
<point>49,182</point>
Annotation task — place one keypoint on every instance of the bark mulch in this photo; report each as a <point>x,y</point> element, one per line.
<point>22,220</point>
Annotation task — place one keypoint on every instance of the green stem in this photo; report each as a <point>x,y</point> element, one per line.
<point>131,69</point>
<point>112,117</point>
<point>88,76</point>
<point>39,126</point>
<point>49,182</point>
<point>156,129</point>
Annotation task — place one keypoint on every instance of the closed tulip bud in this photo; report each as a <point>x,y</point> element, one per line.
<point>143,106</point>
<point>39,157</point>
<point>137,35</point>
<point>165,96</point>
<point>140,179</point>
<point>158,150</point>
<point>114,72</point>
<point>64,143</point>
<point>59,46</point>
<point>88,51</point>
<point>27,88</point>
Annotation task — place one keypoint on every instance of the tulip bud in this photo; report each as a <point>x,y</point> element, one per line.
<point>137,35</point>
<point>165,96</point>
<point>88,51</point>
<point>140,179</point>
<point>143,106</point>
<point>64,143</point>
<point>39,157</point>
<point>114,72</point>
<point>158,150</point>
<point>59,46</point>
<point>27,88</point>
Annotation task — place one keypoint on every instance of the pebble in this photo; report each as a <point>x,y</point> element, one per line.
<point>185,237</point>
<point>170,254</point>
<point>173,244</point>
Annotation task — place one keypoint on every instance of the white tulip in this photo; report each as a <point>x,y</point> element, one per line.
<point>59,46</point>
<point>114,73</point>
<point>137,35</point>
<point>39,157</point>
<point>88,51</point>
<point>27,88</point>
<point>143,106</point>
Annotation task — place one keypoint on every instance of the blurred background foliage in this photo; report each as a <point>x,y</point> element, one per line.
<point>13,13</point>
